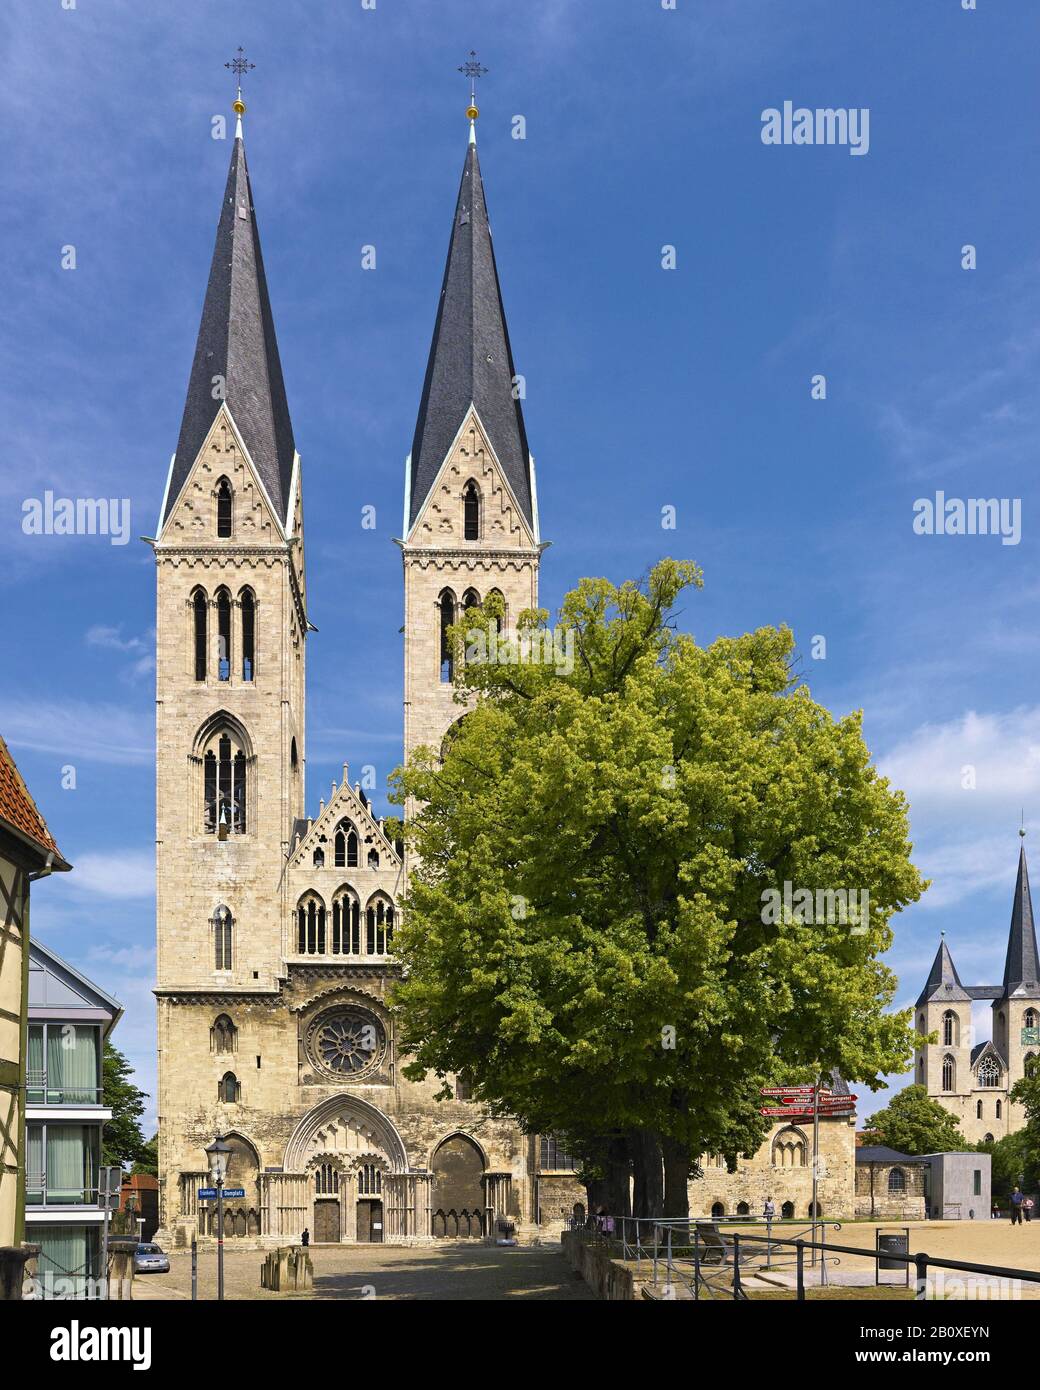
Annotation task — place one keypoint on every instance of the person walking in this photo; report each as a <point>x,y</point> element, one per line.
<point>1017,1198</point>
<point>1027,1209</point>
<point>769,1210</point>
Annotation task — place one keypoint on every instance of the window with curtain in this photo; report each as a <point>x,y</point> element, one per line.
<point>69,1257</point>
<point>35,1073</point>
<point>61,1164</point>
<point>72,1064</point>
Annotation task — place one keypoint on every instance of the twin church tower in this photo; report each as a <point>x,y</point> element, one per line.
<point>275,927</point>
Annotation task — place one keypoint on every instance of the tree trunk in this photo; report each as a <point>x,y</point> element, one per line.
<point>676,1178</point>
<point>648,1196</point>
<point>619,1202</point>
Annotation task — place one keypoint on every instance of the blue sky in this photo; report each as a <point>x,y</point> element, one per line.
<point>645,387</point>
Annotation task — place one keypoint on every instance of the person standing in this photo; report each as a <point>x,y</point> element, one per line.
<point>305,1239</point>
<point>1027,1209</point>
<point>1017,1198</point>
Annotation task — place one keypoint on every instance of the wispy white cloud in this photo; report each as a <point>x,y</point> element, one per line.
<point>119,874</point>
<point>76,730</point>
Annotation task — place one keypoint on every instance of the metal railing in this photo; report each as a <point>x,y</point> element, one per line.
<point>695,1255</point>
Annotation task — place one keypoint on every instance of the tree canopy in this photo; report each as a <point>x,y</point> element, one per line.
<point>122,1140</point>
<point>913,1123</point>
<point>592,929</point>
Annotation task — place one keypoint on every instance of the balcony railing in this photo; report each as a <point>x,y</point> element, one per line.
<point>38,1092</point>
<point>38,1193</point>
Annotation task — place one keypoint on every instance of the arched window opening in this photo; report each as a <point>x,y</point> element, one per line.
<point>447,618</point>
<point>987,1138</point>
<point>199,608</point>
<point>718,1210</point>
<point>373,859</point>
<point>464,1091</point>
<point>370,1180</point>
<point>743,1209</point>
<point>787,1211</point>
<point>978,1109</point>
<point>989,1071</point>
<point>896,1180</point>
<point>500,618</point>
<point>223,929</point>
<point>224,792</point>
<point>223,635</point>
<point>789,1149</point>
<point>326,1180</point>
<point>223,1036</point>
<point>229,1090</point>
<point>1000,1110</point>
<point>224,497</point>
<point>346,846</point>
<point>310,927</point>
<point>949,1029</point>
<point>379,928</point>
<point>1029,1019</point>
<point>248,604</point>
<point>471,512</point>
<point>949,1073</point>
<point>319,859</point>
<point>346,925</point>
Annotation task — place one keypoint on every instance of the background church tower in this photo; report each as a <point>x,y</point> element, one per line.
<point>974,1082</point>
<point>231,631</point>
<point>470,508</point>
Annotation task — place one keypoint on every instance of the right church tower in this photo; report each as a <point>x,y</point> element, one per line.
<point>974,1082</point>
<point>470,505</point>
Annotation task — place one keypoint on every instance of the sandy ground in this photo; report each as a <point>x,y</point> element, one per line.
<point>978,1242</point>
<point>450,1271</point>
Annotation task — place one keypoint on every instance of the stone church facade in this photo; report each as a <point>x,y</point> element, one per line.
<point>275,927</point>
<point>974,1080</point>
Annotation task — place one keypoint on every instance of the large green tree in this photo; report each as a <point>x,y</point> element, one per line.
<point>590,933</point>
<point>122,1140</point>
<point>1027,1094</point>
<point>913,1123</point>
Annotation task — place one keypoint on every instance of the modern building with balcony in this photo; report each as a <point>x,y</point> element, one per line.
<point>69,1019</point>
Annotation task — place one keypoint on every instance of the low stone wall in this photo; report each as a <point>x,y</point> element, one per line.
<point>607,1278</point>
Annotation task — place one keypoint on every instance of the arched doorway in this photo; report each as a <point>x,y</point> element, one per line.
<point>458,1189</point>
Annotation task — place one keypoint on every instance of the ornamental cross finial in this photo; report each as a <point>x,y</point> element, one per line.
<point>240,65</point>
<point>472,69</point>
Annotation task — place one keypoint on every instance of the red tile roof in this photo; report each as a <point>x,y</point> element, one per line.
<point>20,811</point>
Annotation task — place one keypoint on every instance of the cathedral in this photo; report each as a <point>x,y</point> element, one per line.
<point>974,1082</point>
<point>275,927</point>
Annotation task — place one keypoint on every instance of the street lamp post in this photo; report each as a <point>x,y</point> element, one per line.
<point>218,1153</point>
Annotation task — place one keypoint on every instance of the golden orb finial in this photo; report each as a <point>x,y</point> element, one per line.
<point>238,106</point>
<point>472,112</point>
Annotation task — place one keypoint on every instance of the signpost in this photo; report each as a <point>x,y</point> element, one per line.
<point>807,1103</point>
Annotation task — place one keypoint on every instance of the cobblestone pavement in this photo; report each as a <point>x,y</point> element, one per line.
<point>455,1270</point>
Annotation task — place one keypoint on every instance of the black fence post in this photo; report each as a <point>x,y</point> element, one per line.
<point>922,1276</point>
<point>800,1251</point>
<point>696,1262</point>
<point>736,1267</point>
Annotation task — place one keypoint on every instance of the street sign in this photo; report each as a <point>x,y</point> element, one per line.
<point>786,1091</point>
<point>206,1193</point>
<point>234,1192</point>
<point>209,1194</point>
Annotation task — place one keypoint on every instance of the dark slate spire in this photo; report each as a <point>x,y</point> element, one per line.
<point>1022,966</point>
<point>470,359</point>
<point>236,341</point>
<point>943,981</point>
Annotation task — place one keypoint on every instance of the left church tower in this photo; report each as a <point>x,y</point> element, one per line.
<point>231,633</point>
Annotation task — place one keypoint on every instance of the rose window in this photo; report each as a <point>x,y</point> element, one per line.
<point>347,1042</point>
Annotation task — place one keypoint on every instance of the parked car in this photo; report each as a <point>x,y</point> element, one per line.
<point>151,1259</point>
